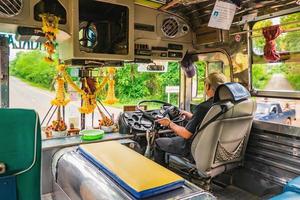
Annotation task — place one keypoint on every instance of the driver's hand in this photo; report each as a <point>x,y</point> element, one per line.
<point>164,121</point>
<point>187,115</point>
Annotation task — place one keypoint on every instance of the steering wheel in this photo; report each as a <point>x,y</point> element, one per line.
<point>170,111</point>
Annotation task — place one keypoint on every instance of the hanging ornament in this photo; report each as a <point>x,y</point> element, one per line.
<point>110,98</point>
<point>50,28</point>
<point>88,92</point>
<point>60,99</point>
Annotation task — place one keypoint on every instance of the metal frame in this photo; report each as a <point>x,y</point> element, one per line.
<point>272,15</point>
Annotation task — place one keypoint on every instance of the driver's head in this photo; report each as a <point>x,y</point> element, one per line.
<point>212,81</point>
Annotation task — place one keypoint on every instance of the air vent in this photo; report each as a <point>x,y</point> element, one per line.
<point>10,8</point>
<point>170,27</point>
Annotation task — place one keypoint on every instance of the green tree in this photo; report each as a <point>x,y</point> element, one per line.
<point>32,67</point>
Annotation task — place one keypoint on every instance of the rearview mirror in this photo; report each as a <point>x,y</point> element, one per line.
<point>153,67</point>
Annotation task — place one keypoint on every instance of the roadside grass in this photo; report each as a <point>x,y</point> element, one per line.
<point>294,80</point>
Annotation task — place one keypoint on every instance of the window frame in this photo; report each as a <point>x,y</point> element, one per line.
<point>266,93</point>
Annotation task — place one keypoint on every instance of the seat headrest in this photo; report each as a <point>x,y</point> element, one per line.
<point>233,92</point>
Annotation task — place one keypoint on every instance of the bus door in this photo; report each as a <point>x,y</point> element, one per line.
<point>207,63</point>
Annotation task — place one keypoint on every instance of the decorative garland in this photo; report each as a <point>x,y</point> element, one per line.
<point>90,90</point>
<point>60,99</point>
<point>50,28</point>
<point>110,98</point>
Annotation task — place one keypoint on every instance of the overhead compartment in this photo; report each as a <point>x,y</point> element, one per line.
<point>102,33</point>
<point>25,15</point>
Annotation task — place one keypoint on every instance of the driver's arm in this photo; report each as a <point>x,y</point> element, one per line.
<point>179,130</point>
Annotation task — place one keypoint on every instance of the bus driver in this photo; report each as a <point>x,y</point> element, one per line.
<point>178,145</point>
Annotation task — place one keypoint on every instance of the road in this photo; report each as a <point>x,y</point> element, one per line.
<point>22,95</point>
<point>279,82</point>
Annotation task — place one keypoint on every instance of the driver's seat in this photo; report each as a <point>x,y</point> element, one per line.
<point>221,139</point>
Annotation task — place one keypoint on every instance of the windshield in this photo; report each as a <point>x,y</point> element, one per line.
<point>262,108</point>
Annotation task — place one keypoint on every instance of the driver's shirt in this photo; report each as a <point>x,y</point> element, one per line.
<point>198,115</point>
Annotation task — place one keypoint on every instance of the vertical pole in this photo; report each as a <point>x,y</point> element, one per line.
<point>250,61</point>
<point>82,119</point>
<point>4,72</point>
<point>168,97</point>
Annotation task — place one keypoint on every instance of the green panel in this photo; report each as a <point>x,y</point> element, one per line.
<point>17,147</point>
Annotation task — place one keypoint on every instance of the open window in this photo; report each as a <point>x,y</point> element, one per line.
<point>280,77</point>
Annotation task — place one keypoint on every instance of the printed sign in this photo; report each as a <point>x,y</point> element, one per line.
<point>26,45</point>
<point>222,15</point>
<point>172,89</point>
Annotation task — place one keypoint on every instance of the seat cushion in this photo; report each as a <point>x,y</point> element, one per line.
<point>293,185</point>
<point>137,174</point>
<point>287,196</point>
<point>20,151</point>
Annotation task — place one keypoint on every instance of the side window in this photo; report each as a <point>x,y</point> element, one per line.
<point>274,110</point>
<point>280,111</point>
<point>198,82</point>
<point>215,67</point>
<point>277,74</point>
<point>281,71</point>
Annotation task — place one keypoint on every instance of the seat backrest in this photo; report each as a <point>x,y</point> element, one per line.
<point>224,140</point>
<point>20,152</point>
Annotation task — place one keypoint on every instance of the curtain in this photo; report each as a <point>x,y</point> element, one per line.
<point>270,34</point>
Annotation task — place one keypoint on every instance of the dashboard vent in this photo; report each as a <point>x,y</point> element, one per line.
<point>10,8</point>
<point>170,27</point>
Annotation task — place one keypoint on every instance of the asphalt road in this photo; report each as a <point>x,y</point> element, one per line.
<point>22,95</point>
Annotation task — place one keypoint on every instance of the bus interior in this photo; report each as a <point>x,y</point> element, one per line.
<point>115,67</point>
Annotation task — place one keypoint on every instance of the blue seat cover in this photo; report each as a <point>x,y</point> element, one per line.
<point>287,196</point>
<point>293,185</point>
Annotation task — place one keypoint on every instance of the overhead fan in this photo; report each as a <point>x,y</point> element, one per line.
<point>10,8</point>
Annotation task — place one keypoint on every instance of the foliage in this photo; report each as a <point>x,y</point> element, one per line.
<point>286,42</point>
<point>290,40</point>
<point>260,75</point>
<point>131,85</point>
<point>134,85</point>
<point>201,75</point>
<point>32,67</point>
<point>292,73</point>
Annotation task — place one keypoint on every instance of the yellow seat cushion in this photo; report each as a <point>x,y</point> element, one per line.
<point>139,175</point>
